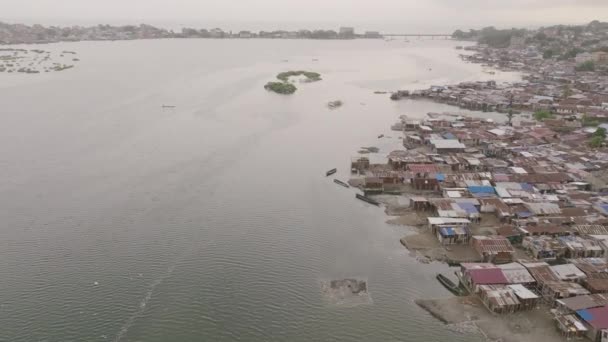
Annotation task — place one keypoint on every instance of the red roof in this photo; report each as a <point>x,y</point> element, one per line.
<point>488,276</point>
<point>597,317</point>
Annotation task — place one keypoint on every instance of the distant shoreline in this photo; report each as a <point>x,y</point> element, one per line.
<point>14,34</point>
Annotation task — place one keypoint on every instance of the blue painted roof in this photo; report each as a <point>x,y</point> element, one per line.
<point>524,214</point>
<point>440,177</point>
<point>526,186</point>
<point>481,189</point>
<point>469,208</point>
<point>448,135</point>
<point>447,232</point>
<point>604,207</point>
<point>586,315</point>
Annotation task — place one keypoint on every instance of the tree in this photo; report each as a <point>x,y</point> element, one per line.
<point>600,132</point>
<point>566,91</point>
<point>458,34</point>
<point>547,54</point>
<point>541,115</point>
<point>510,116</point>
<point>596,141</point>
<point>586,66</point>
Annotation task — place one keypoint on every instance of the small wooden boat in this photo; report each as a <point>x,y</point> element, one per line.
<point>381,136</point>
<point>448,284</point>
<point>367,199</point>
<point>168,106</point>
<point>339,182</point>
<point>331,172</point>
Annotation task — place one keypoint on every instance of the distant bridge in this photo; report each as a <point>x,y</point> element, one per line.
<point>419,35</point>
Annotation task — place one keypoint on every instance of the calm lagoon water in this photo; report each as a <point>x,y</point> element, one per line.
<point>212,221</point>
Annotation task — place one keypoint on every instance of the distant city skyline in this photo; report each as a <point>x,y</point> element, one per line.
<point>435,16</point>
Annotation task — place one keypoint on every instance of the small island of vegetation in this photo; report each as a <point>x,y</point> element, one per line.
<point>310,76</point>
<point>285,87</point>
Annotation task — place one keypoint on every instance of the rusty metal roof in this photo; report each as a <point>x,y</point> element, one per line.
<point>492,244</point>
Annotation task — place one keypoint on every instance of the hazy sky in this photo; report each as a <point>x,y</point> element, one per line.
<point>384,15</point>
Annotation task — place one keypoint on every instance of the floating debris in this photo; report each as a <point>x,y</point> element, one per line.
<point>334,104</point>
<point>346,292</point>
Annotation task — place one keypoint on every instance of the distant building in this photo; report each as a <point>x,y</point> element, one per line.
<point>216,33</point>
<point>245,34</point>
<point>600,57</point>
<point>347,32</point>
<point>372,34</point>
<point>583,57</point>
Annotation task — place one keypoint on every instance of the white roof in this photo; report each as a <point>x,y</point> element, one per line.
<point>497,131</point>
<point>447,143</point>
<point>454,194</point>
<point>513,200</point>
<point>522,292</point>
<point>445,220</point>
<point>519,170</point>
<point>567,272</point>
<point>527,154</point>
<point>425,128</point>
<point>473,161</point>
<point>450,213</point>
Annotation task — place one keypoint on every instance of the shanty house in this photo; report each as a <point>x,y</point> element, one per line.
<point>596,321</point>
<point>496,249</point>
<point>499,299</point>
<point>447,146</point>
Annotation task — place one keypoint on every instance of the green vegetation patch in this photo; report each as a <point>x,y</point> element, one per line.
<point>542,115</point>
<point>586,66</point>
<point>285,87</point>
<point>281,87</point>
<point>311,76</point>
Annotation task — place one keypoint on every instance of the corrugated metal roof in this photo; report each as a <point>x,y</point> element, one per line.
<point>444,220</point>
<point>522,292</point>
<point>447,144</point>
<point>481,189</point>
<point>488,276</point>
<point>543,208</point>
<point>596,317</point>
<point>499,295</point>
<point>584,302</point>
<point>568,272</point>
<point>492,244</point>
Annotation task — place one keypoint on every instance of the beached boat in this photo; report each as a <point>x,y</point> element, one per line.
<point>331,172</point>
<point>367,199</point>
<point>339,182</point>
<point>448,284</point>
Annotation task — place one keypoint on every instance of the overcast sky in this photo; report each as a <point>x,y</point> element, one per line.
<point>383,15</point>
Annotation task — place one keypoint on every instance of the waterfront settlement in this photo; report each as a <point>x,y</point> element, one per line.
<point>519,206</point>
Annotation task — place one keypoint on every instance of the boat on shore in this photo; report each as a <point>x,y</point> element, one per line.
<point>367,199</point>
<point>448,284</point>
<point>339,182</point>
<point>331,172</point>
